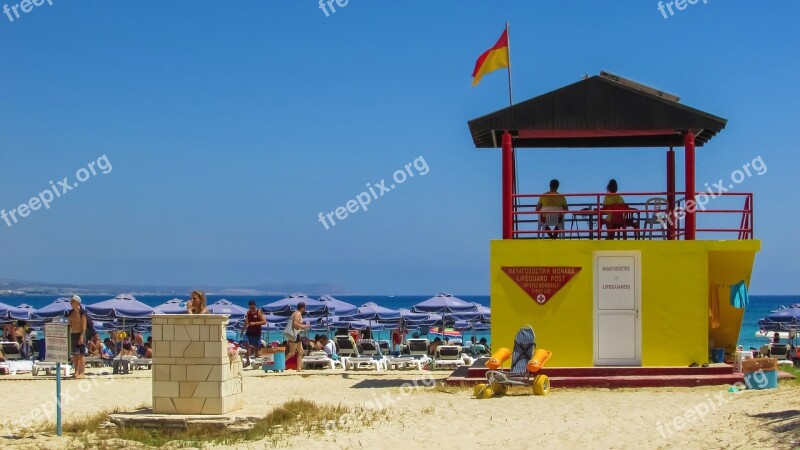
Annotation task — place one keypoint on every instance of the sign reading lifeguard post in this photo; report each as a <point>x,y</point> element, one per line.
<point>56,340</point>
<point>541,283</point>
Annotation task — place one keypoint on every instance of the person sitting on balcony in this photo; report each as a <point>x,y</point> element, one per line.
<point>552,200</point>
<point>613,221</point>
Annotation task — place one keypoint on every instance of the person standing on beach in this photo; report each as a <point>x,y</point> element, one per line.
<point>77,325</point>
<point>197,304</point>
<point>298,326</point>
<point>253,321</point>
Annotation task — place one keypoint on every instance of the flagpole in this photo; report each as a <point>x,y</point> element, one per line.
<point>515,182</point>
<point>510,95</point>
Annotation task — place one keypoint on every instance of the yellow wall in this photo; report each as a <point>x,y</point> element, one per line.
<point>726,269</point>
<point>674,305</point>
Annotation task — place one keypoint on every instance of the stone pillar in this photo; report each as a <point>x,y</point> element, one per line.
<point>192,371</point>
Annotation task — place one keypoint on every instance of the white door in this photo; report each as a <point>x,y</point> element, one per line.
<point>617,302</point>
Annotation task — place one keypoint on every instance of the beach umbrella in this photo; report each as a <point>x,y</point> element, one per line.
<point>338,307</point>
<point>14,312</point>
<point>411,316</point>
<point>223,306</point>
<point>783,319</point>
<point>444,303</point>
<point>375,314</point>
<point>174,306</point>
<point>20,313</point>
<point>360,324</point>
<point>371,311</point>
<point>123,306</point>
<point>286,306</point>
<point>463,325</point>
<point>59,308</point>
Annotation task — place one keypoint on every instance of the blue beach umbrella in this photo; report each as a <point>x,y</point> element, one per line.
<point>58,308</point>
<point>338,307</point>
<point>374,312</point>
<point>174,306</point>
<point>123,306</point>
<point>481,313</point>
<point>13,312</point>
<point>444,303</point>
<point>783,319</point>
<point>286,306</point>
<point>463,325</point>
<point>223,306</point>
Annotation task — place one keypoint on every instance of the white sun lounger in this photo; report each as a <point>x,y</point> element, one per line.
<point>49,368</point>
<point>447,356</point>
<point>11,350</point>
<point>321,358</point>
<point>371,356</point>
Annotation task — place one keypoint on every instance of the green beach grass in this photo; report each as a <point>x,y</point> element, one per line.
<point>293,418</point>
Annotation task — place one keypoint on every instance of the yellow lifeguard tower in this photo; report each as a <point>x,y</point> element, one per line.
<point>655,295</point>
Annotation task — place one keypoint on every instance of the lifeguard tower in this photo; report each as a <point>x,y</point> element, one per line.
<point>658,293</point>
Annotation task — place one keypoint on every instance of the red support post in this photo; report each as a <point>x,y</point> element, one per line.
<point>508,187</point>
<point>691,191</point>
<point>671,216</point>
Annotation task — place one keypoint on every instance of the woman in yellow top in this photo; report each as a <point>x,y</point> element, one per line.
<point>552,200</point>
<point>611,199</point>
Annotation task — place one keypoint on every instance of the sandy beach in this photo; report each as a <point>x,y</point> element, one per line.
<point>426,417</point>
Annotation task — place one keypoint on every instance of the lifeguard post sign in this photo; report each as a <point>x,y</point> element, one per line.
<point>541,283</point>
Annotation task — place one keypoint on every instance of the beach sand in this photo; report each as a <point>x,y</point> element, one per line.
<point>424,417</point>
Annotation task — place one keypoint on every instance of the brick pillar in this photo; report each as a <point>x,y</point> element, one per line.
<point>192,371</point>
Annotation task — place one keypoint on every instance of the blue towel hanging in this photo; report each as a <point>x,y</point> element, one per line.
<point>739,296</point>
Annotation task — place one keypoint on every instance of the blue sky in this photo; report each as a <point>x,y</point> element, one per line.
<point>230,126</point>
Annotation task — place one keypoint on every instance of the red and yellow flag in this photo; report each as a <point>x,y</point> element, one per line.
<point>492,59</point>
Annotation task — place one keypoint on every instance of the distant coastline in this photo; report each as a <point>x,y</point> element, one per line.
<point>22,288</point>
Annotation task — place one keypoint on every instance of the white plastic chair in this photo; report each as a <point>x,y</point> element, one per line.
<point>551,217</point>
<point>656,209</point>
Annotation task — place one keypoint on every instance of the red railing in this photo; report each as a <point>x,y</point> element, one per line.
<point>645,215</point>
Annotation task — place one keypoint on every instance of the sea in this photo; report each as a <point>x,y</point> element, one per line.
<point>759,307</point>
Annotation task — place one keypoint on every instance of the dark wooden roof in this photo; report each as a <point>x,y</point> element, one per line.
<point>597,112</point>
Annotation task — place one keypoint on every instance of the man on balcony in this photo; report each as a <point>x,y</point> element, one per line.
<point>552,200</point>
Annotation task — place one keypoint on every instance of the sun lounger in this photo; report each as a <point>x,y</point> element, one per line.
<point>142,363</point>
<point>124,364</point>
<point>447,356</point>
<point>321,358</point>
<point>96,361</point>
<point>11,350</point>
<point>418,347</point>
<point>346,348</point>
<point>371,356</point>
<point>417,356</point>
<point>781,353</point>
<point>49,367</point>
<point>407,361</point>
<point>20,366</point>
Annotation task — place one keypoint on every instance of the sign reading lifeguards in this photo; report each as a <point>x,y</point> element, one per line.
<point>541,283</point>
